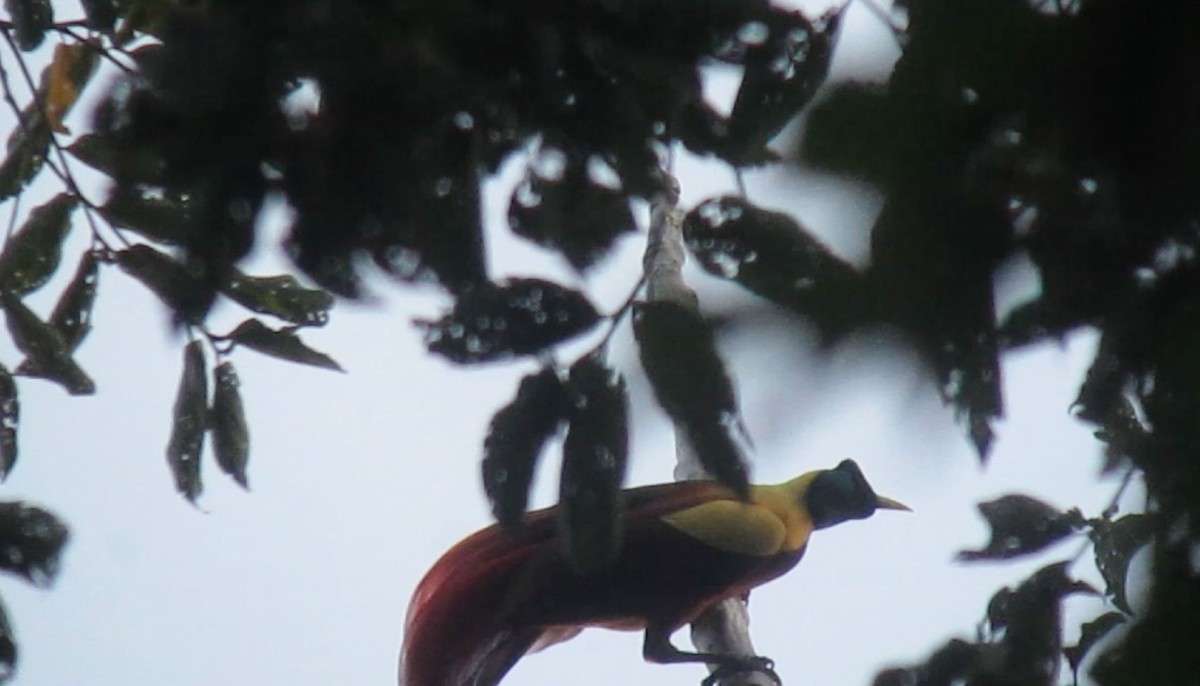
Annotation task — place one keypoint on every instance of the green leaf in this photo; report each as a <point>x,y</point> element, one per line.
<point>284,344</point>
<point>227,419</point>
<point>154,213</point>
<point>189,423</point>
<point>10,415</point>
<point>31,20</point>
<point>26,151</point>
<point>516,437</point>
<point>177,286</point>
<point>45,347</point>
<point>1116,543</point>
<point>1090,634</point>
<point>35,250</point>
<point>31,542</point>
<point>281,296</point>
<point>72,315</point>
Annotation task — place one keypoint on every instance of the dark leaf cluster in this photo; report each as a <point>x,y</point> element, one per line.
<point>1022,525</point>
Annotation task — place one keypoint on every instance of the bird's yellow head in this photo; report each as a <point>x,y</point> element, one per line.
<point>836,495</point>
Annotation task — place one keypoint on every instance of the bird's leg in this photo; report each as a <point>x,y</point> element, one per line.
<point>657,647</point>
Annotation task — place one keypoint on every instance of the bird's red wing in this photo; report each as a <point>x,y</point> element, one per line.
<point>455,634</point>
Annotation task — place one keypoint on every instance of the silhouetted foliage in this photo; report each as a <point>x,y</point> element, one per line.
<point>1061,134</point>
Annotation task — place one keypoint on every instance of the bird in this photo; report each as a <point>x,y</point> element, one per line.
<point>500,594</point>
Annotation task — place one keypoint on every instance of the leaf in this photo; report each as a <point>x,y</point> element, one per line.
<point>690,382</point>
<point>231,436</point>
<point>1089,635</point>
<point>174,283</point>
<point>520,317</point>
<point>35,250</point>
<point>8,648</point>
<point>516,437</point>
<point>159,215</point>
<point>72,315</point>
<point>771,254</point>
<point>101,14</point>
<point>31,20</point>
<point>284,344</point>
<point>281,296</point>
<point>103,153</point>
<point>1116,543</point>
<point>595,453</point>
<point>27,147</point>
<point>68,71</point>
<point>1022,525</point>
<point>10,415</point>
<point>782,73</point>
<point>189,422</point>
<point>572,210</point>
<point>31,542</point>
<point>1032,625</point>
<point>45,348</point>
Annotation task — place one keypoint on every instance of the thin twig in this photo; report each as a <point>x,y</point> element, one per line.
<point>99,48</point>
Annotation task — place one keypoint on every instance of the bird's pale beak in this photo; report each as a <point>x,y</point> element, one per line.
<point>883,503</point>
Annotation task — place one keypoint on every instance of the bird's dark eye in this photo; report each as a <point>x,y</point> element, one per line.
<point>839,494</point>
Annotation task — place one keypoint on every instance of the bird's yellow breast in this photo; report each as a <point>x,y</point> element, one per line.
<point>772,522</point>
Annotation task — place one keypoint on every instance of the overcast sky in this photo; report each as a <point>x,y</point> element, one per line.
<point>360,480</point>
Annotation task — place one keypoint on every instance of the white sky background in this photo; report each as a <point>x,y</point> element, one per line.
<point>361,480</point>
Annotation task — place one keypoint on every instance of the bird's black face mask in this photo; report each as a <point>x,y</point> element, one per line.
<point>839,494</point>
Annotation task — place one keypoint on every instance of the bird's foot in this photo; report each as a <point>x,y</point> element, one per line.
<point>750,663</point>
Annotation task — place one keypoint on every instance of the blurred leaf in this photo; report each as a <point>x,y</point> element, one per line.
<point>8,648</point>
<point>1089,635</point>
<point>1116,543</point>
<point>189,422</point>
<point>953,663</point>
<point>850,132</point>
<point>516,437</point>
<point>771,254</point>
<point>101,14</point>
<point>174,283</point>
<point>690,382</point>
<point>281,296</point>
<point>519,317</point>
<point>26,154</point>
<point>1022,525</point>
<point>69,70</point>
<point>284,344</point>
<point>1032,640</point>
<point>157,214</point>
<point>72,315</point>
<point>231,436</point>
<point>103,153</point>
<point>31,541</point>
<point>10,416</point>
<point>32,253</point>
<point>594,457</point>
<point>45,348</point>
<point>31,20</point>
<point>782,73</point>
<point>575,210</point>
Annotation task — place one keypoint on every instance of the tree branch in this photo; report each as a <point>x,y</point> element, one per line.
<point>725,627</point>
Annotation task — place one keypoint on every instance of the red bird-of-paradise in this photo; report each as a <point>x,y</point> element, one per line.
<point>498,595</point>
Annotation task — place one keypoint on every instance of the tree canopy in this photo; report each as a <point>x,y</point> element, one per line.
<point>1062,133</point>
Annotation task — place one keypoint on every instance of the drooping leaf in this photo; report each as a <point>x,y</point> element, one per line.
<point>284,344</point>
<point>516,437</point>
<point>520,317</point>
<point>31,20</point>
<point>1116,543</point>
<point>953,663</point>
<point>45,347</point>
<point>231,436</point>
<point>189,421</point>
<point>31,541</point>
<point>571,208</point>
<point>32,253</point>
<point>281,296</point>
<point>173,282</point>
<point>26,153</point>
<point>1022,525</point>
<point>68,71</point>
<point>155,213</point>
<point>783,70</point>
<point>10,416</point>
<point>771,254</point>
<point>72,315</point>
<point>1032,639</point>
<point>102,153</point>
<point>593,470</point>
<point>1089,635</point>
<point>679,355</point>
